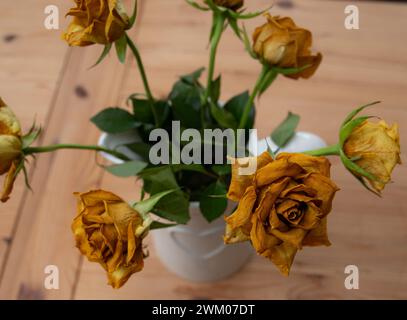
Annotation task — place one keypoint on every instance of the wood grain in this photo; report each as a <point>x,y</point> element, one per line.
<point>359,66</point>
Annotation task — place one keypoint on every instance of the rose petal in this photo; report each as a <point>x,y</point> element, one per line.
<point>261,240</point>
<point>294,236</point>
<point>244,210</point>
<point>239,183</point>
<point>318,236</point>
<point>325,187</point>
<point>269,197</point>
<point>309,163</point>
<point>282,256</point>
<point>276,170</point>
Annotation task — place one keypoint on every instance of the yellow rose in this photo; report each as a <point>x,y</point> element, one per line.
<point>280,43</point>
<point>282,206</point>
<point>230,4</point>
<point>108,231</point>
<point>376,149</point>
<point>96,21</point>
<point>10,148</point>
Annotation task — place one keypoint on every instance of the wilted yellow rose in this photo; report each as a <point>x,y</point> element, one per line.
<point>376,149</point>
<point>96,21</point>
<point>10,148</point>
<point>108,231</point>
<point>280,43</point>
<point>230,4</point>
<point>282,206</point>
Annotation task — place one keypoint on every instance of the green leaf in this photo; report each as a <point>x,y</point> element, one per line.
<point>189,167</point>
<point>235,27</point>
<point>174,208</point>
<point>186,104</point>
<point>197,6</point>
<point>104,54</point>
<point>223,117</point>
<point>159,225</point>
<point>348,128</point>
<point>291,71</point>
<point>216,89</point>
<point>222,169</point>
<point>127,169</point>
<point>354,168</point>
<point>121,48</point>
<point>141,149</point>
<point>193,77</point>
<point>30,137</point>
<point>133,17</point>
<point>212,206</point>
<point>142,110</point>
<point>214,7</point>
<point>286,130</point>
<point>355,112</point>
<point>247,43</point>
<point>236,107</point>
<point>114,120</point>
<point>147,205</point>
<point>26,178</point>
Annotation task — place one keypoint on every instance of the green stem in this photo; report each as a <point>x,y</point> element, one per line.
<point>256,90</point>
<point>147,89</point>
<point>51,148</point>
<point>327,151</point>
<point>218,22</point>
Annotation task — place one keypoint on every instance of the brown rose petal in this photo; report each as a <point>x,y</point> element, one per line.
<point>286,205</point>
<point>244,210</point>
<point>131,242</point>
<point>274,221</point>
<point>236,235</point>
<point>268,199</point>
<point>120,276</point>
<point>282,256</point>
<point>239,183</point>
<point>299,188</point>
<point>261,240</point>
<point>309,163</point>
<point>9,181</point>
<point>311,218</point>
<point>318,236</point>
<point>293,236</point>
<point>312,61</point>
<point>325,187</point>
<point>276,170</point>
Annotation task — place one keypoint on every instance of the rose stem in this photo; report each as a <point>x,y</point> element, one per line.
<point>147,89</point>
<point>51,148</point>
<point>327,151</point>
<point>218,22</point>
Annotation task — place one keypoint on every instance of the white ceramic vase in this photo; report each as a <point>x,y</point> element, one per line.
<point>196,251</point>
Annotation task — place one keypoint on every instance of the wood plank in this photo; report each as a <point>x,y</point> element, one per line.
<point>358,68</point>
<point>43,236</point>
<point>30,65</point>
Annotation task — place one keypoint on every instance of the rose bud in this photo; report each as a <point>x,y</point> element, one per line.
<point>283,206</point>
<point>10,148</point>
<point>108,231</point>
<point>280,43</point>
<point>96,21</point>
<point>375,148</point>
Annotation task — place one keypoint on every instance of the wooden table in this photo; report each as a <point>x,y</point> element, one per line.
<point>42,78</point>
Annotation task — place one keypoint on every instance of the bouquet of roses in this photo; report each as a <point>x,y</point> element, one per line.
<point>282,199</point>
